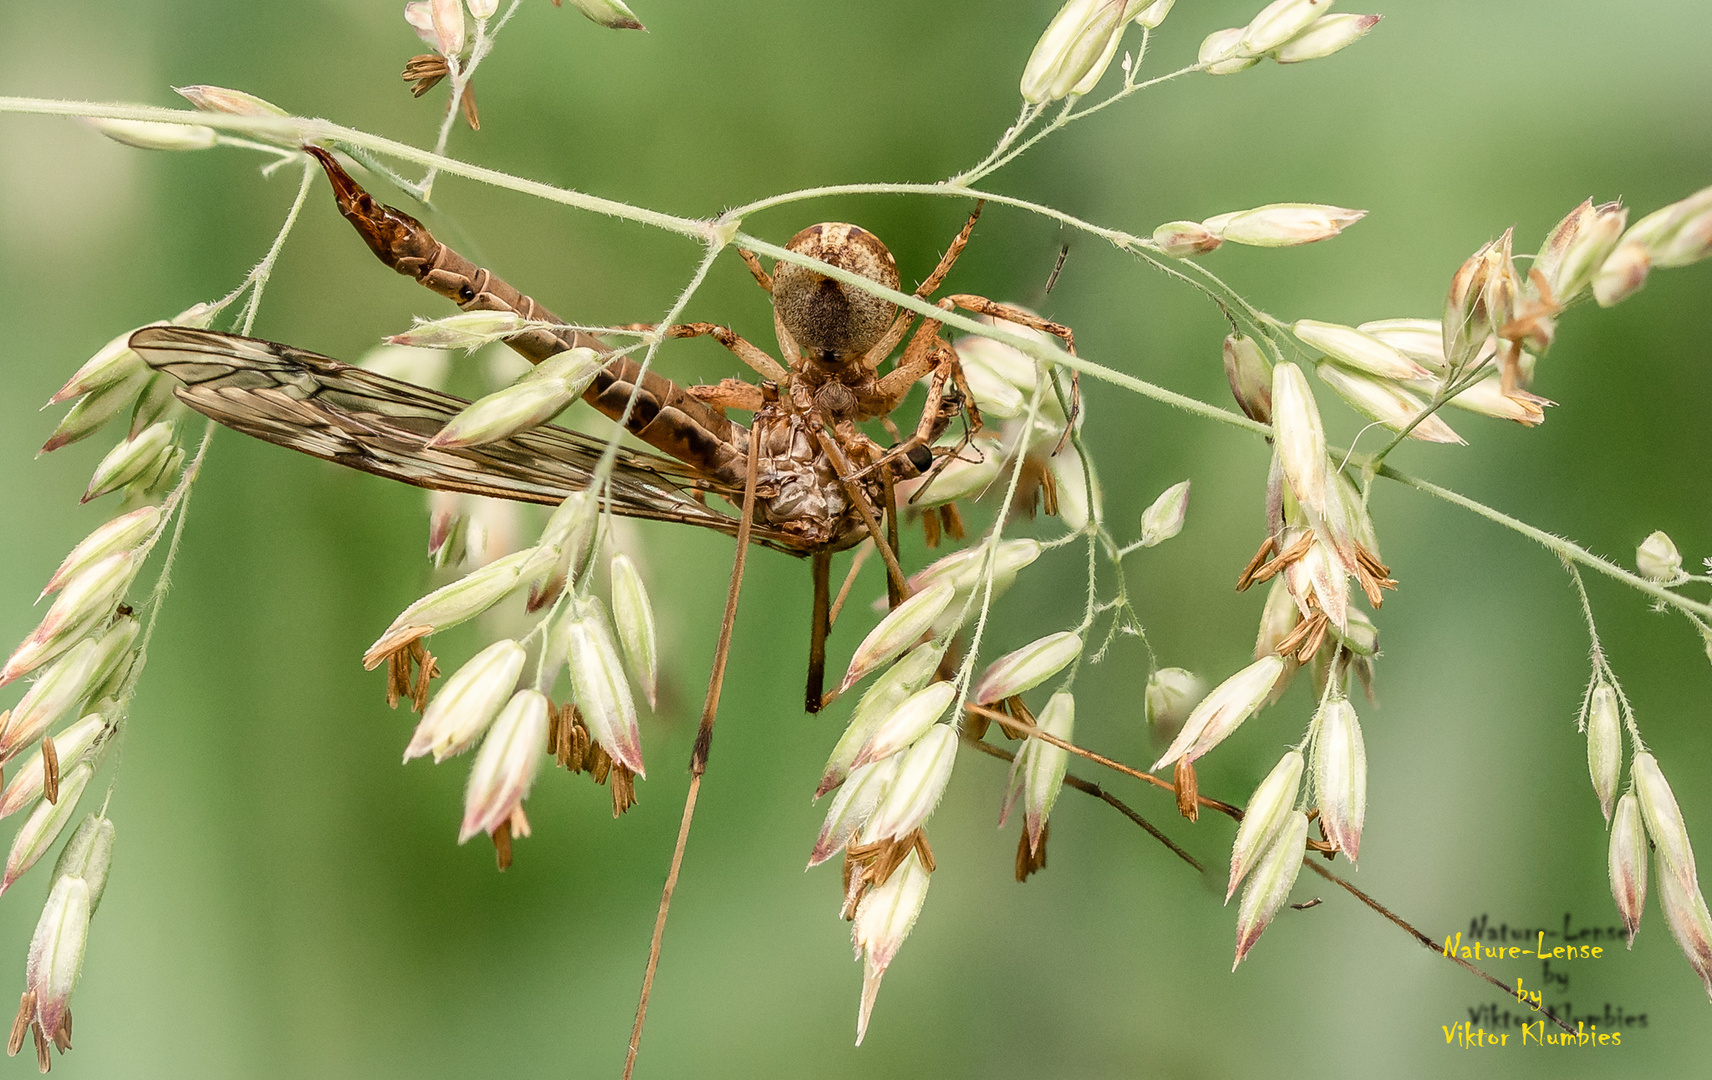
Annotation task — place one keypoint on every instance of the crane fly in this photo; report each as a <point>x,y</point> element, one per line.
<point>803,475</point>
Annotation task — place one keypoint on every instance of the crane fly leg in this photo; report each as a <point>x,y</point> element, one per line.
<point>704,734</point>
<point>865,507</point>
<point>819,626</point>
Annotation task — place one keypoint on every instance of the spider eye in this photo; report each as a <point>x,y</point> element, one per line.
<point>466,294</point>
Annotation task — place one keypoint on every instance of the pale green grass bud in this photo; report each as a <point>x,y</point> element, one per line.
<point>1222,52</point>
<point>902,627</point>
<point>1026,668</point>
<point>906,724</point>
<point>1154,14</point>
<point>448,20</point>
<point>963,570</point>
<point>1074,50</point>
<point>1220,712</point>
<point>156,403</point>
<point>221,100</point>
<point>420,16</point>
<point>1182,239</point>
<point>634,615</point>
<point>143,455</point>
<point>88,855</point>
<point>1385,401</point>
<point>888,692</point>
<point>1604,745</point>
<point>1280,21</point>
<point>531,401</point>
<point>1277,619</point>
<point>466,330</point>
<point>1677,234</point>
<point>1268,809</point>
<point>852,807</point>
<point>1250,375</point>
<point>1623,274</point>
<point>1164,519</point>
<point>1269,886</point>
<point>1478,302</point>
<point>1299,436</point>
<point>1170,695</point>
<point>597,679</point>
<point>1080,497</point>
<point>1037,772</point>
<point>883,920</point>
<point>118,535</point>
<point>506,764</point>
<point>923,771</point>
<point>1657,558</point>
<point>1628,864</point>
<point>94,410</point>
<point>61,688</point>
<point>44,825</point>
<point>153,135</point>
<point>56,956</point>
<point>569,535</point>
<point>87,598</point>
<point>996,395</point>
<point>1340,775</point>
<point>1690,923</point>
<point>116,362</point>
<point>611,14</point>
<point>1359,635</point>
<point>1421,340</point>
<point>452,604</point>
<point>1327,34</point>
<point>71,745</point>
<point>483,9</point>
<point>1664,820</point>
<point>456,716</point>
<point>149,488</point>
<point>1283,224</point>
<point>1012,365</point>
<point>1487,398</point>
<point>1097,70</point>
<point>1549,259</point>
<point>1584,251</point>
<point>1351,348</point>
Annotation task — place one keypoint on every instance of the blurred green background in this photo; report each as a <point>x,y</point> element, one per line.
<point>287,901</point>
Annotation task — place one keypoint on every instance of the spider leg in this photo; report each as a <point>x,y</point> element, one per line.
<point>762,278</point>
<point>936,415</point>
<point>730,394</point>
<point>750,354</point>
<point>980,305</point>
<point>895,333</point>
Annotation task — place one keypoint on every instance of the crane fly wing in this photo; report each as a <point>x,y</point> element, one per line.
<point>344,414</point>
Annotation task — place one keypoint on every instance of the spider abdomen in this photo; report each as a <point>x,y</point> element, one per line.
<point>823,314</point>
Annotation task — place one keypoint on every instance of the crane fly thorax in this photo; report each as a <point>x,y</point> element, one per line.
<point>797,489</point>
